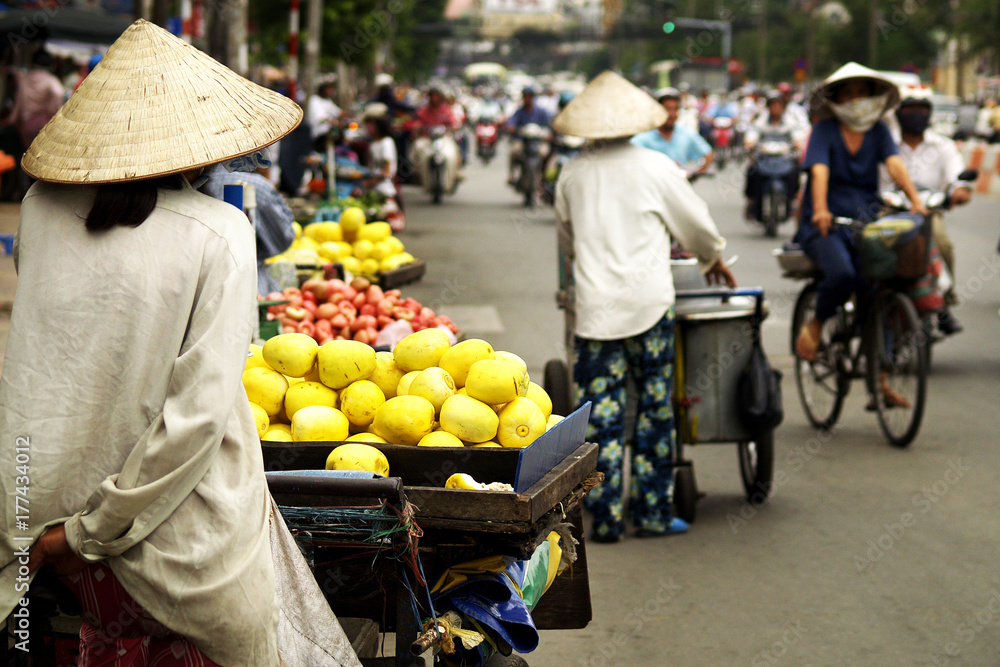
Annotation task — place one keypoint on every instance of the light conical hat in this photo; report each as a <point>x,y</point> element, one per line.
<point>155,105</point>
<point>821,96</point>
<point>610,107</point>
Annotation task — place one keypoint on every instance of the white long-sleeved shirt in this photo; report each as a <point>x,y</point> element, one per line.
<point>122,384</point>
<point>618,207</point>
<point>933,165</point>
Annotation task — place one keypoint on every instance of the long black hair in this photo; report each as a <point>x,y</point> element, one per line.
<point>127,204</point>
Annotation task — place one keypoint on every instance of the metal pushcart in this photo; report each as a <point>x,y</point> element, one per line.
<point>715,334</point>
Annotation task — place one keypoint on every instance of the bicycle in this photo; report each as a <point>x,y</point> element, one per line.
<point>888,349</point>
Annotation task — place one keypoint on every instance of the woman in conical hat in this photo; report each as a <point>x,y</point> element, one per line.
<point>618,207</point>
<point>121,391</point>
<point>842,161</point>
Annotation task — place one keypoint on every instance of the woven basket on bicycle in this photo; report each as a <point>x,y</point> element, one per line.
<point>894,247</point>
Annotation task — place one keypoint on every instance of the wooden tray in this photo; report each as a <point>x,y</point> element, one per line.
<point>404,275</point>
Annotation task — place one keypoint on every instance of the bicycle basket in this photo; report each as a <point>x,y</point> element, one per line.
<point>895,246</point>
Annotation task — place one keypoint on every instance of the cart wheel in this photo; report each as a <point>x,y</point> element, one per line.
<point>556,385</point>
<point>757,466</point>
<point>685,493</point>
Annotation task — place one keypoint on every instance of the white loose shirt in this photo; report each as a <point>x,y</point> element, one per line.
<point>323,113</point>
<point>123,382</point>
<point>384,151</point>
<point>619,206</point>
<point>933,165</point>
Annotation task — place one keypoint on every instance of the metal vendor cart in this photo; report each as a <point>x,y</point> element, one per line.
<point>716,329</point>
<point>372,541</point>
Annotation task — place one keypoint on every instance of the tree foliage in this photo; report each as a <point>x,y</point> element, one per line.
<point>776,34</point>
<point>353,33</point>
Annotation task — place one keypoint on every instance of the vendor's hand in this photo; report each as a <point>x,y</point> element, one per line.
<point>719,274</point>
<point>822,219</point>
<point>53,550</point>
<point>921,209</point>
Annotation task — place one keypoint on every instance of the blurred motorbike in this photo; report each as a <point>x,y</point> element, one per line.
<point>722,140</point>
<point>776,163</point>
<point>437,158</point>
<point>487,133</point>
<point>533,139</point>
<point>565,147</point>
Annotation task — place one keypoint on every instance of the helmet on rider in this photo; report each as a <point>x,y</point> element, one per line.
<point>774,95</point>
<point>667,93</point>
<point>914,111</point>
<point>784,88</point>
<point>565,97</point>
<point>915,95</point>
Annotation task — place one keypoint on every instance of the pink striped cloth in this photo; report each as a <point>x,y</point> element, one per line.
<point>118,632</point>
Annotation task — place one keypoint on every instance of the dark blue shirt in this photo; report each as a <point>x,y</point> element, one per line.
<point>853,188</point>
<point>522,117</point>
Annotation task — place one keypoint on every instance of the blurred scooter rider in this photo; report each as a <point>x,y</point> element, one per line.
<point>777,121</point>
<point>437,111</point>
<point>529,112</point>
<point>796,112</point>
<point>682,145</point>
<point>934,163</point>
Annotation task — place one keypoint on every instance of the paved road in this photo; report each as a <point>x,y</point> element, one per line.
<point>865,555</point>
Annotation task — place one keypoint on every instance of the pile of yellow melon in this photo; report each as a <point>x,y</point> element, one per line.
<point>426,392</point>
<point>364,248</point>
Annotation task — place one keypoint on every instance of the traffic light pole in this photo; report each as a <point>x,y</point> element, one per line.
<point>725,27</point>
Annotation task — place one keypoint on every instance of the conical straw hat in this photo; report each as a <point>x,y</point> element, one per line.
<point>818,103</point>
<point>610,107</point>
<point>156,105</point>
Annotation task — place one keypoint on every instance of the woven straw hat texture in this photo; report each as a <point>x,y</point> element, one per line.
<point>610,107</point>
<point>155,105</point>
<point>818,103</point>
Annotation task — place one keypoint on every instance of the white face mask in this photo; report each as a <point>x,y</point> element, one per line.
<point>861,114</point>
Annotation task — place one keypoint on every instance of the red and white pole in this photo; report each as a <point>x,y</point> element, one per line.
<point>197,14</point>
<point>293,51</point>
<point>186,20</point>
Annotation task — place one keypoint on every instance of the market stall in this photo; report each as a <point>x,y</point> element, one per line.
<point>414,429</point>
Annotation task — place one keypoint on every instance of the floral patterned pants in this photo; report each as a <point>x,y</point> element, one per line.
<point>601,369</point>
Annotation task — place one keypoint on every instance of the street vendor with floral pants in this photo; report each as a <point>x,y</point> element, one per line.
<point>618,208</point>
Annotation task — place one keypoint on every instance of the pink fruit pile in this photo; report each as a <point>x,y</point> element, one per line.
<point>334,310</point>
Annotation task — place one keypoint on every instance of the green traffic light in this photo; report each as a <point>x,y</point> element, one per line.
<point>668,27</point>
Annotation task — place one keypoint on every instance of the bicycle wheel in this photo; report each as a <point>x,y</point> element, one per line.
<point>897,361</point>
<point>820,383</point>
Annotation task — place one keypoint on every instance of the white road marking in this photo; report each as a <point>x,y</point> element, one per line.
<point>481,319</point>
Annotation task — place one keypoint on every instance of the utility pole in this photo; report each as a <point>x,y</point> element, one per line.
<point>236,46</point>
<point>310,66</point>
<point>762,41</point>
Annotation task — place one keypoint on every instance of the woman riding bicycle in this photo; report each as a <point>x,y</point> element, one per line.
<point>842,161</point>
